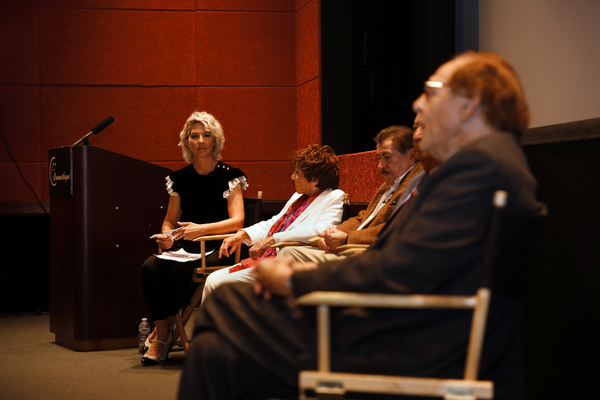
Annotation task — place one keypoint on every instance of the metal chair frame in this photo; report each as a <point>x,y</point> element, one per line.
<point>327,384</point>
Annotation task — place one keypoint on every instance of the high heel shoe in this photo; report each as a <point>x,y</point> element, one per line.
<point>154,360</point>
<point>147,344</point>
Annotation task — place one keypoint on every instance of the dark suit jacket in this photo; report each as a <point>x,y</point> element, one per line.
<point>438,249</point>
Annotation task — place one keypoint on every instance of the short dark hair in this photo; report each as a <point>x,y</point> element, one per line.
<point>402,137</point>
<point>318,162</point>
<point>503,101</point>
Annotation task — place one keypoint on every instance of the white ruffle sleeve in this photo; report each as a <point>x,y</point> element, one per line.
<point>170,187</point>
<point>241,180</point>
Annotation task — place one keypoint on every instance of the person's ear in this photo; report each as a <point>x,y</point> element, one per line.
<point>470,106</point>
<point>412,155</point>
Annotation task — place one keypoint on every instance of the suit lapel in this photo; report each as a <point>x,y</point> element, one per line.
<point>403,208</point>
<point>306,213</point>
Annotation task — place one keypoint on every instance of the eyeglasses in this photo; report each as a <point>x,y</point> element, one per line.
<point>431,84</point>
<point>434,84</point>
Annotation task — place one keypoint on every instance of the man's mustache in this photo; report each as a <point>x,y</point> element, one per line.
<point>385,171</point>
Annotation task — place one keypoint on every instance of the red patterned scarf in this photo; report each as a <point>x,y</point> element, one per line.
<point>287,219</point>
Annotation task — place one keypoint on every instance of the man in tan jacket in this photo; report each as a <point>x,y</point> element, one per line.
<point>398,165</point>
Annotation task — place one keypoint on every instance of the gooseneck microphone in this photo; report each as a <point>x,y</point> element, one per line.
<point>94,131</point>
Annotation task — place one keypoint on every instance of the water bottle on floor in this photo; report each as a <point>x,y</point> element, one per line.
<point>144,332</point>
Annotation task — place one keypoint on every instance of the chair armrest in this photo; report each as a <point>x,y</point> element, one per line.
<point>314,241</point>
<point>347,299</point>
<point>154,237</point>
<point>203,270</point>
<point>204,238</point>
<point>213,237</point>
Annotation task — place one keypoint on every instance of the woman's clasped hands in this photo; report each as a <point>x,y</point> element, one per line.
<point>186,230</point>
<point>189,231</point>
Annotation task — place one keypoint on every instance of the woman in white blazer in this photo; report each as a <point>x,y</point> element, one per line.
<point>316,205</point>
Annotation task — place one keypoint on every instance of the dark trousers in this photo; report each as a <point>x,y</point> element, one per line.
<point>246,347</point>
<point>167,283</point>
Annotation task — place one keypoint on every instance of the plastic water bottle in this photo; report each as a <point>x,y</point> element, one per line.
<point>144,332</point>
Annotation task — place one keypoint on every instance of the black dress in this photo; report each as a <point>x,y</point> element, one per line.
<point>203,200</point>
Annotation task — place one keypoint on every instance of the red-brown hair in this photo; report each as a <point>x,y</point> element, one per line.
<point>502,98</point>
<point>318,162</point>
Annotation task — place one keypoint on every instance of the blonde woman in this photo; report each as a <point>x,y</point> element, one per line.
<point>205,198</point>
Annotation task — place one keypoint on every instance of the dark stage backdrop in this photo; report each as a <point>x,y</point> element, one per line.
<point>562,307</point>
<point>375,55</point>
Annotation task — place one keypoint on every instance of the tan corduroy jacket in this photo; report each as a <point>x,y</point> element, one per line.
<point>368,234</point>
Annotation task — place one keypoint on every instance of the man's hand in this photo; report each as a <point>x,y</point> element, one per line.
<point>273,277</point>
<point>259,248</point>
<point>231,243</point>
<point>331,239</point>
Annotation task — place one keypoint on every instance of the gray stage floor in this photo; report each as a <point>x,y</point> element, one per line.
<point>32,366</point>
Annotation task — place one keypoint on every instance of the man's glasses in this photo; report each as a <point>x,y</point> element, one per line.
<point>431,85</point>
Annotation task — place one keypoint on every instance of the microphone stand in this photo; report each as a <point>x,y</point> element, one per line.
<point>84,139</point>
<point>106,122</point>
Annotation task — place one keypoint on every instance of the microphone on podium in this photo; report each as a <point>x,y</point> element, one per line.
<point>94,131</point>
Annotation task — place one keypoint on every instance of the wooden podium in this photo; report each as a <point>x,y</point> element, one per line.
<point>104,207</point>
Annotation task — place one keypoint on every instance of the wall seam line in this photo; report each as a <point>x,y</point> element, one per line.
<point>40,156</point>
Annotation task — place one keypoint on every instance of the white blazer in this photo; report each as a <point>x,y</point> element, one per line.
<point>324,211</point>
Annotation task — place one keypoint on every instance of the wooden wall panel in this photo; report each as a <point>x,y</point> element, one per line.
<point>147,120</point>
<point>20,123</point>
<point>259,123</point>
<point>272,178</point>
<point>19,47</point>
<point>308,123</point>
<point>20,3</point>
<point>301,3</point>
<point>44,183</point>
<point>245,49</point>
<point>308,72</point>
<point>172,165</point>
<point>149,64</point>
<point>117,47</point>
<point>247,5</point>
<point>15,188</point>
<point>308,44</point>
<point>126,4</point>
